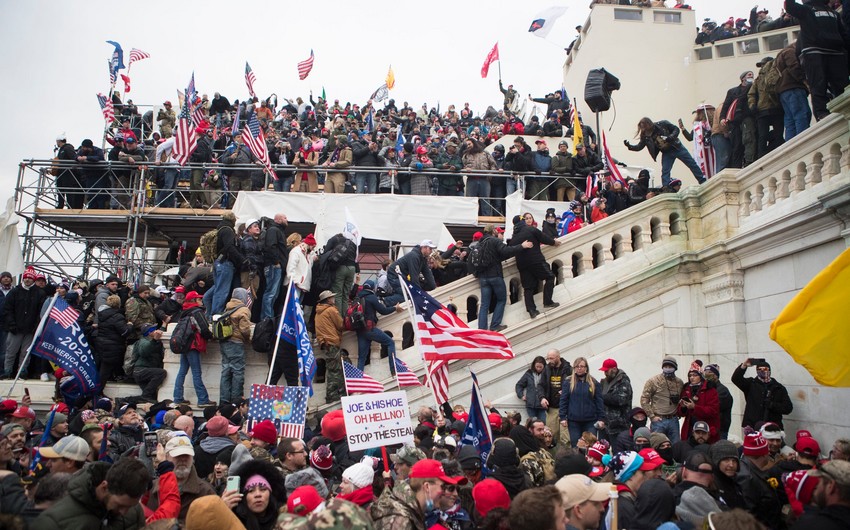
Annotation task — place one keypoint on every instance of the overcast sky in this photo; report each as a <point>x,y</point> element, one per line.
<point>55,54</point>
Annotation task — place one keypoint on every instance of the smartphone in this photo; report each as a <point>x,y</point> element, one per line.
<point>232,484</point>
<point>756,360</point>
<point>26,391</point>
<point>150,443</point>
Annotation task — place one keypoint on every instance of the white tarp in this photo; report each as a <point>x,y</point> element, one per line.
<point>407,219</point>
<point>11,257</point>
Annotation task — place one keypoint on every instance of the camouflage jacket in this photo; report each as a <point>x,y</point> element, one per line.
<point>538,466</point>
<point>397,510</point>
<point>617,397</point>
<point>337,515</point>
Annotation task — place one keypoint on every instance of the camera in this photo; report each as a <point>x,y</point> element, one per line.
<point>674,400</point>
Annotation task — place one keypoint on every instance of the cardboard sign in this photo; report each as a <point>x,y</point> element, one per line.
<point>376,420</point>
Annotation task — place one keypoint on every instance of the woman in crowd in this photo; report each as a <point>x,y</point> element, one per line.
<point>530,388</point>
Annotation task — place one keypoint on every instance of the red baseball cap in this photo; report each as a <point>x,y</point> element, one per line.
<point>607,364</point>
<point>7,406</point>
<point>24,412</point>
<point>430,468</point>
<point>651,459</point>
<point>807,446</point>
<point>495,420</point>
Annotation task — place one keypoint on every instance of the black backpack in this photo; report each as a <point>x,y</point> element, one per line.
<point>480,258</point>
<point>183,335</point>
<point>339,253</point>
<point>263,339</point>
<point>354,319</point>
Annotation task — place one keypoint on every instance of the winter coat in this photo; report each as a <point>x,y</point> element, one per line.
<point>139,312</point>
<point>202,328</point>
<point>12,497</point>
<point>148,353</point>
<point>763,501</point>
<point>275,251</point>
<point>496,252</point>
<point>344,160</point>
<point>764,401</point>
<point>587,164</point>
<point>617,397</point>
<point>227,244</point>
<point>790,70</point>
<point>21,309</point>
<point>80,508</point>
<point>578,404</point>
<point>736,101</point>
<point>372,307</point>
<point>241,321</point>
<point>657,391</point>
<point>412,265</point>
<point>250,246</point>
<point>654,142</point>
<point>329,326</point>
<point>553,380</point>
<point>706,408</point>
<point>112,332</point>
<point>397,509</point>
<point>616,201</point>
<point>821,30</point>
<point>763,97</point>
<point>832,517</point>
<point>480,161</point>
<point>192,488</point>
<point>533,392</point>
<point>562,164</point>
<point>299,268</point>
<point>726,402</point>
<point>530,256</point>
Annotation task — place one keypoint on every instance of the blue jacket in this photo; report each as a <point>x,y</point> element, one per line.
<point>577,404</point>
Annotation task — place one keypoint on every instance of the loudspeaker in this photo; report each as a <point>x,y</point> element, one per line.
<point>597,89</point>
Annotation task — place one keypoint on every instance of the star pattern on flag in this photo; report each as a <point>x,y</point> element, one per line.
<point>285,406</point>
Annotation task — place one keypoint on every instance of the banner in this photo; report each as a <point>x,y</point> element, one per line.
<point>293,330</point>
<point>478,433</point>
<point>377,420</point>
<point>285,406</point>
<point>64,344</point>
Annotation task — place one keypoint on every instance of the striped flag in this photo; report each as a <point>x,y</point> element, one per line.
<point>234,128</point>
<point>66,317</point>
<point>112,76</point>
<point>404,375</point>
<point>191,93</point>
<point>250,78</point>
<point>286,407</point>
<point>138,55</point>
<point>438,380</point>
<point>358,382</point>
<point>591,185</point>
<point>185,139</point>
<point>610,164</point>
<point>444,336</point>
<point>305,66</point>
<point>254,138</point>
<point>703,148</point>
<point>107,108</point>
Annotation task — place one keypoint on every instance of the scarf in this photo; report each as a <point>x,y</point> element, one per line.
<point>360,497</point>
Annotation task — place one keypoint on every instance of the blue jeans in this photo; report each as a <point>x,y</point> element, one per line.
<point>480,187</point>
<point>492,287</point>
<point>165,196</point>
<point>511,185</point>
<point>798,115</point>
<point>283,184</point>
<point>273,275</point>
<point>366,182</point>
<point>538,413</point>
<point>223,273</point>
<point>364,346</point>
<point>191,359</point>
<point>397,297</point>
<point>232,371</point>
<point>668,426</point>
<point>680,153</point>
<point>722,150</point>
<point>577,428</point>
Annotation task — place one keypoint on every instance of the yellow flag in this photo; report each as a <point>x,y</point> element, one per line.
<point>390,78</point>
<point>578,134</point>
<point>813,327</point>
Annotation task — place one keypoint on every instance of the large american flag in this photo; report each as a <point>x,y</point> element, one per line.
<point>357,381</point>
<point>444,336</point>
<point>610,163</point>
<point>404,375</point>
<point>185,139</point>
<point>107,108</point>
<point>286,407</point>
<point>249,79</point>
<point>138,55</point>
<point>305,66</point>
<point>65,317</point>
<point>254,138</point>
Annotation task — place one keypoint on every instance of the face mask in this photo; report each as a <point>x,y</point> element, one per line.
<point>637,424</point>
<point>640,446</point>
<point>668,371</point>
<point>666,454</point>
<point>764,376</point>
<point>429,504</point>
<point>748,81</point>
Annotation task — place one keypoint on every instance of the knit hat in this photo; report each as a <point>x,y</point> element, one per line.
<point>489,494</point>
<point>641,432</point>
<point>656,439</point>
<point>713,368</point>
<point>504,453</point>
<point>669,360</point>
<point>624,465</point>
<point>219,426</point>
<point>304,500</point>
<point>721,450</point>
<point>574,464</point>
<point>265,431</point>
<point>694,505</point>
<point>696,367</point>
<point>360,474</point>
<point>772,431</point>
<point>159,418</point>
<point>306,477</point>
<point>598,450</point>
<point>321,458</point>
<point>333,425</point>
<point>755,445</point>
<point>29,274</point>
<point>256,480</point>
<point>800,486</point>
<point>468,458</point>
<point>309,240</point>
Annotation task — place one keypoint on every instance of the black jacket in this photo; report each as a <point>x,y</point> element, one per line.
<point>587,164</point>
<point>662,128</point>
<point>412,265</point>
<point>112,331</point>
<point>764,402</point>
<point>227,245</point>
<point>275,251</point>
<point>617,202</point>
<point>726,402</point>
<point>21,309</point>
<point>742,110</point>
<point>203,153</point>
<point>350,258</point>
<point>553,380</point>
<point>496,251</point>
<point>530,256</point>
<point>372,307</point>
<point>821,29</point>
<point>833,517</point>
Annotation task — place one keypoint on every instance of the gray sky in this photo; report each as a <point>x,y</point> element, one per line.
<point>55,55</point>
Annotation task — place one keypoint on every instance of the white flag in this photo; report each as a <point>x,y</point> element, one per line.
<point>543,21</point>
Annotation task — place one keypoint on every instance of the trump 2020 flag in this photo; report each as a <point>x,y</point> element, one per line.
<point>813,326</point>
<point>543,22</point>
<point>117,61</point>
<point>443,336</point>
<point>293,330</point>
<point>285,406</point>
<point>63,343</point>
<point>477,432</point>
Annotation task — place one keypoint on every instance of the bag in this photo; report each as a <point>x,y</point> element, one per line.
<point>772,77</point>
<point>263,339</point>
<point>130,359</point>
<point>208,245</point>
<point>479,259</point>
<point>222,328</point>
<point>354,319</point>
<point>183,335</point>
<point>339,253</point>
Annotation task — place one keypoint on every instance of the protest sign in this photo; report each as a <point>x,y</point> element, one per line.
<point>376,420</point>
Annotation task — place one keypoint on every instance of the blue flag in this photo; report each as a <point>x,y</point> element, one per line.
<point>293,330</point>
<point>399,143</point>
<point>36,459</point>
<point>64,344</point>
<point>477,432</point>
<point>117,61</point>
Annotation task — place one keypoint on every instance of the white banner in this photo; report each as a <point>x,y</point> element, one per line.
<point>376,420</point>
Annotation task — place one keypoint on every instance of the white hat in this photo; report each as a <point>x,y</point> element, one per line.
<point>62,138</point>
<point>576,489</point>
<point>249,222</point>
<point>179,445</point>
<point>360,474</point>
<point>427,243</point>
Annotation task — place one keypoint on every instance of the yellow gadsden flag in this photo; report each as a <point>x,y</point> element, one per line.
<point>390,78</point>
<point>813,327</point>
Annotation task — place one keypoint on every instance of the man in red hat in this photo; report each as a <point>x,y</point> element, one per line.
<point>617,397</point>
<point>759,493</point>
<point>298,267</point>
<point>20,318</point>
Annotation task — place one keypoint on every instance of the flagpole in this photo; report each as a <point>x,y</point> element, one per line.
<point>280,327</point>
<point>36,335</point>
<point>418,341</point>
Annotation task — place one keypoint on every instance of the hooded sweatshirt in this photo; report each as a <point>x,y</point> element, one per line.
<point>241,317</point>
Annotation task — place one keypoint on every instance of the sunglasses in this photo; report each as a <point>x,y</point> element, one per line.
<point>449,488</point>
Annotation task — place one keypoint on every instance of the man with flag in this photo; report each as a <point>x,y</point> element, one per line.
<point>293,330</point>
<point>478,433</point>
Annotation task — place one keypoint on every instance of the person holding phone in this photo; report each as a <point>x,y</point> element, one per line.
<point>699,402</point>
<point>766,398</point>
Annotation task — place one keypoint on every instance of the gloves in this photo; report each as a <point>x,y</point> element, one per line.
<point>164,467</point>
<point>626,143</point>
<point>419,166</point>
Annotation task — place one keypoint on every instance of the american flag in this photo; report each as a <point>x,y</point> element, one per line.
<point>571,116</point>
<point>610,164</point>
<point>254,138</point>
<point>250,78</point>
<point>66,317</point>
<point>404,375</point>
<point>234,128</point>
<point>191,93</point>
<point>305,66</point>
<point>285,406</point>
<point>107,108</point>
<point>112,78</point>
<point>198,115</point>
<point>591,184</point>
<point>357,381</point>
<point>444,336</point>
<point>138,55</point>
<point>185,139</point>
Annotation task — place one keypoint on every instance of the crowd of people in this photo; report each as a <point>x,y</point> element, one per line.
<point>113,464</point>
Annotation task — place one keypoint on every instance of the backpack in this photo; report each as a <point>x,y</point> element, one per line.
<point>263,339</point>
<point>340,252</point>
<point>183,335</point>
<point>208,245</point>
<point>479,258</point>
<point>354,318</point>
<point>222,328</point>
<point>772,77</point>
